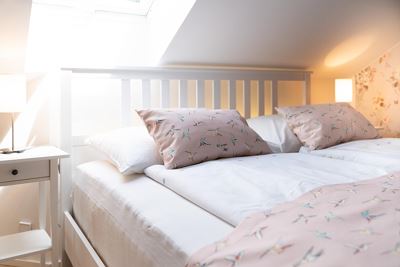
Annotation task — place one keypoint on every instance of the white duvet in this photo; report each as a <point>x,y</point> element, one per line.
<point>236,187</point>
<point>383,153</point>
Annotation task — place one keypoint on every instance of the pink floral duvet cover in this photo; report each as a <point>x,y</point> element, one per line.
<point>356,224</point>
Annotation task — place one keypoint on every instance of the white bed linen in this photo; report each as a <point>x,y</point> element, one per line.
<point>236,187</point>
<point>134,221</point>
<point>383,152</point>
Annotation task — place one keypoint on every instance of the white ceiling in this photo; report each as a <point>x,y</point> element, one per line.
<point>332,37</point>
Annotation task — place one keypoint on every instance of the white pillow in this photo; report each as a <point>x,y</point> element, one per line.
<point>275,131</point>
<point>131,149</point>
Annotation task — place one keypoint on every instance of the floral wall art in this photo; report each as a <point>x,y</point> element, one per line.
<point>377,93</point>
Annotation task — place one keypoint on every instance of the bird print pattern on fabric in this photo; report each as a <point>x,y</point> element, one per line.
<point>328,226</point>
<point>321,126</point>
<point>189,136</point>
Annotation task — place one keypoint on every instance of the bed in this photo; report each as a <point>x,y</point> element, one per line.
<point>163,217</point>
<point>138,221</point>
<point>382,152</point>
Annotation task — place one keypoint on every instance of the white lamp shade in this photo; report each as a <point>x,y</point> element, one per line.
<point>12,93</point>
<point>344,90</point>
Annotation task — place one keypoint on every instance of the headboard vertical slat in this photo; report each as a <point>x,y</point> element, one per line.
<point>183,93</point>
<point>146,93</point>
<point>260,98</point>
<point>164,100</point>
<point>232,94</point>
<point>246,98</point>
<point>274,96</point>
<point>200,88</point>
<point>126,103</point>
<point>216,94</point>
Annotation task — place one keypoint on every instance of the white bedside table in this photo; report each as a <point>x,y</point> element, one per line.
<point>34,165</point>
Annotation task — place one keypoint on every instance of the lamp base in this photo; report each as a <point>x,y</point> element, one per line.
<point>10,151</point>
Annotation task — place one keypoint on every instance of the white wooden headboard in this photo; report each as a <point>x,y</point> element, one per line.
<point>165,75</point>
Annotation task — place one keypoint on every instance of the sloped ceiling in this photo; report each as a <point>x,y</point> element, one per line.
<point>14,25</point>
<point>334,38</point>
<point>164,20</point>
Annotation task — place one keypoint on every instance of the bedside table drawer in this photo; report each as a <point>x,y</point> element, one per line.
<point>22,171</point>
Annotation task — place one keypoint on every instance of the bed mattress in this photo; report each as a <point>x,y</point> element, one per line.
<point>134,221</point>
<point>234,188</point>
<point>383,152</point>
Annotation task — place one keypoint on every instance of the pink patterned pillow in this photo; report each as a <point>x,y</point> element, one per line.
<point>321,126</point>
<point>189,136</point>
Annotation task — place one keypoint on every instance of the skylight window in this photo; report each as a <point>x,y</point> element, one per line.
<point>137,7</point>
<point>133,7</point>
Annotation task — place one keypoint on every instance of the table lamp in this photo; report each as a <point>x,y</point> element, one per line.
<point>344,90</point>
<point>12,100</point>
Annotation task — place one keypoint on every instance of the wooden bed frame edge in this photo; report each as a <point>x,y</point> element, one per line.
<point>77,247</point>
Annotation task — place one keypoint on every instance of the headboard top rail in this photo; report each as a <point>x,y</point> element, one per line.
<point>195,73</point>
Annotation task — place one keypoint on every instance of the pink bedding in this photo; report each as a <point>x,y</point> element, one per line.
<point>356,224</point>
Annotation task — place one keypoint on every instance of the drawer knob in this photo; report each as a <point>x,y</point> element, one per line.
<point>14,172</point>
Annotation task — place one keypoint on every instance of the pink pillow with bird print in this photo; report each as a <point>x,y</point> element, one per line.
<point>321,126</point>
<point>188,136</point>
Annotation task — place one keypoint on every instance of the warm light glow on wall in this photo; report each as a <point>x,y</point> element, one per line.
<point>348,50</point>
<point>344,90</point>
